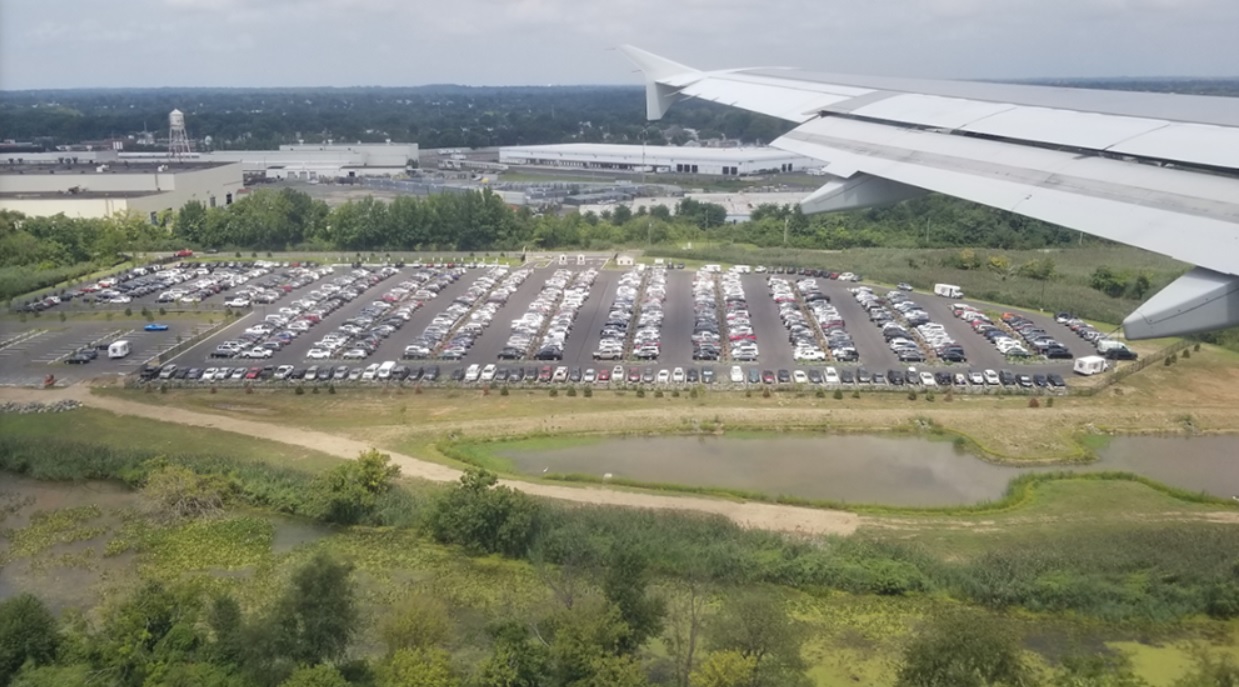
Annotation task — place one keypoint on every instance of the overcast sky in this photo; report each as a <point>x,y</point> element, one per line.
<point>119,43</point>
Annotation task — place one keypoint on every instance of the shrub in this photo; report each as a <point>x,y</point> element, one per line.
<point>485,518</point>
<point>912,395</point>
<point>839,394</point>
<point>765,393</point>
<point>1166,361</point>
<point>348,493</point>
<point>331,388</point>
<point>503,391</point>
<point>640,393</point>
<point>314,389</point>
<point>675,393</point>
<point>658,393</point>
<point>588,392</point>
<point>1034,403</point>
<point>554,392</point>
<point>820,393</point>
<point>1186,354</point>
<point>748,393</point>
<point>692,393</point>
<point>238,254</point>
<point>856,394</point>
<point>1196,347</point>
<point>128,312</point>
<point>1049,402</point>
<point>929,396</point>
<point>163,310</point>
<point>572,391</point>
<point>1222,601</point>
<point>300,390</point>
<point>163,388</point>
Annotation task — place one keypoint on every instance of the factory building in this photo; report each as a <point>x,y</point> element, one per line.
<point>101,189</point>
<point>658,159</point>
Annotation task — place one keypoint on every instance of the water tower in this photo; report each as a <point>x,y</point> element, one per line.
<point>178,139</point>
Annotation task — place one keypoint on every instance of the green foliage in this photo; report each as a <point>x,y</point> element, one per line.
<point>1096,670</point>
<point>28,634</point>
<point>151,631</point>
<point>516,660</point>
<point>485,518</point>
<point>349,493</point>
<point>756,625</point>
<point>416,668</point>
<point>1211,670</point>
<point>1222,600</point>
<point>588,392</point>
<point>418,622</point>
<point>725,669</point>
<point>624,584</point>
<point>316,676</point>
<point>312,621</point>
<point>965,650</point>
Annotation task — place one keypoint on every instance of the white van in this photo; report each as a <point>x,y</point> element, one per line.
<point>119,349</point>
<point>385,369</point>
<point>473,373</point>
<point>1090,365</point>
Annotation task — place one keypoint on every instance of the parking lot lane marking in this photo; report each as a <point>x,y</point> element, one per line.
<point>218,330</point>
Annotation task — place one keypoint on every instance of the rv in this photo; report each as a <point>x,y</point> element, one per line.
<point>118,349</point>
<point>1090,365</point>
<point>948,291</point>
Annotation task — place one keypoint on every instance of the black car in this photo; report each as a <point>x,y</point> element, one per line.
<point>691,375</point>
<point>531,374</point>
<point>707,375</point>
<point>575,375</point>
<point>516,374</point>
<point>895,377</point>
<point>784,376</point>
<point>846,377</point>
<point>754,376</point>
<point>1007,377</point>
<point>1040,380</point>
<point>1056,381</point>
<point>431,374</point>
<point>78,359</point>
<point>815,375</point>
<point>458,375</point>
<point>862,376</point>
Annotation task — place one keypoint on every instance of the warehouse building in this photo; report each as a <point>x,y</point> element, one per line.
<point>102,189</point>
<point>658,159</point>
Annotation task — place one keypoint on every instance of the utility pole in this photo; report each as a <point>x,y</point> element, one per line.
<point>785,221</point>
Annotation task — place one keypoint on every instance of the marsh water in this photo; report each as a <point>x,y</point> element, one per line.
<point>894,471</point>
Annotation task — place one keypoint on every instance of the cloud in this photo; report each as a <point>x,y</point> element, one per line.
<point>403,42</point>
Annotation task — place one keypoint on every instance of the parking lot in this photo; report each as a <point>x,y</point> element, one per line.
<point>386,313</point>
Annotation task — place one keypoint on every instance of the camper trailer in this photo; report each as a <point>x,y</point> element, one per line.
<point>118,349</point>
<point>948,291</point>
<point>1090,365</point>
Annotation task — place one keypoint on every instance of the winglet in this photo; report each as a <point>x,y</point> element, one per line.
<point>658,96</point>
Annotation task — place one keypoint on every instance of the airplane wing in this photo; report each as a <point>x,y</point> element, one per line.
<point>1156,171</point>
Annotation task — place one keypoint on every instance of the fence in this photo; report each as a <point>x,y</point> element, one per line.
<point>1128,370</point>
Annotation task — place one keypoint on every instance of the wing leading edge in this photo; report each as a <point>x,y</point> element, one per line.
<point>1159,172</point>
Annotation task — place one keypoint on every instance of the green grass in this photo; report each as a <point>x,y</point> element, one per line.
<point>139,434</point>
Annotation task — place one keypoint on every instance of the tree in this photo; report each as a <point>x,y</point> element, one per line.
<point>516,660</point>
<point>1108,282</point>
<point>1211,670</point>
<point>153,629</point>
<point>485,518</point>
<point>725,669</point>
<point>315,676</point>
<point>755,625</point>
<point>315,618</point>
<point>583,637</point>
<point>685,624</point>
<point>28,633</point>
<point>964,650</point>
<point>624,585</point>
<point>416,668</point>
<point>418,622</point>
<point>228,631</point>
<point>348,493</point>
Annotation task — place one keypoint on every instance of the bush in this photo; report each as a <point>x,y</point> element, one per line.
<point>692,393</point>
<point>554,392</point>
<point>300,390</point>
<point>588,392</point>
<point>572,391</point>
<point>748,393</point>
<point>820,393</point>
<point>503,391</point>
<point>765,393</point>
<point>1034,403</point>
<point>485,518</point>
<point>128,312</point>
<point>675,393</point>
<point>314,389</point>
<point>1196,347</point>
<point>640,393</point>
<point>348,493</point>
<point>912,395</point>
<point>1049,402</point>
<point>1186,354</point>
<point>658,393</point>
<point>839,394</point>
<point>331,388</point>
<point>163,388</point>
<point>856,394</point>
<point>1166,362</point>
<point>929,396</point>
<point>163,310</point>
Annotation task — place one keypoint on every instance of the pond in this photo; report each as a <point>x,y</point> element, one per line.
<point>895,471</point>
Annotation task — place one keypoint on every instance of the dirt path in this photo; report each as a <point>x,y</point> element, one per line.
<point>765,516</point>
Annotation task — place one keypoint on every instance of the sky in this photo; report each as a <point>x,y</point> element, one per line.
<point>256,43</point>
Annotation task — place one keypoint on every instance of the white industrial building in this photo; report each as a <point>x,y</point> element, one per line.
<point>102,189</point>
<point>658,159</point>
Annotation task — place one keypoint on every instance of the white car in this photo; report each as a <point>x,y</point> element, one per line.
<point>372,370</point>
<point>208,374</point>
<point>737,375</point>
<point>664,376</point>
<point>617,373</point>
<point>283,371</point>
<point>590,375</point>
<point>259,352</point>
<point>677,375</point>
<point>488,373</point>
<point>832,376</point>
<point>799,377</point>
<point>991,378</point>
<point>927,379</point>
<point>318,354</point>
<point>809,354</point>
<point>238,303</point>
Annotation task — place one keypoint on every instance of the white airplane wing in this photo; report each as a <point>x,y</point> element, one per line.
<point>1156,171</point>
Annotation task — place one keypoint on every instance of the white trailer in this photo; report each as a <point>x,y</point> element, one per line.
<point>119,349</point>
<point>1090,365</point>
<point>948,291</point>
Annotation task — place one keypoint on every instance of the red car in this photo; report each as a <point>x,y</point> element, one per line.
<point>184,253</point>
<point>604,375</point>
<point>253,373</point>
